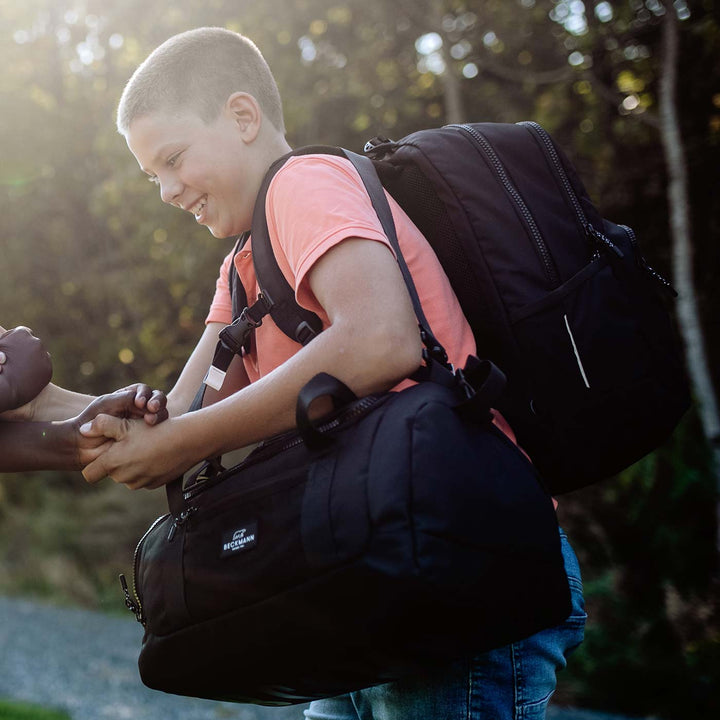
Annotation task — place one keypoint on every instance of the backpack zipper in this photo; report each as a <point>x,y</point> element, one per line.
<point>552,154</point>
<point>654,274</point>
<point>482,141</point>
<point>133,601</point>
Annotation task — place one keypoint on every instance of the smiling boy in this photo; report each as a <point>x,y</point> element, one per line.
<point>202,116</point>
<point>212,164</point>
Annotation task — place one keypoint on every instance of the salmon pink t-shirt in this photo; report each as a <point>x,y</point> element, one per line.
<point>313,203</point>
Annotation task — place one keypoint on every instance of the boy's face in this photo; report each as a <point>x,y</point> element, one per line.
<point>206,169</point>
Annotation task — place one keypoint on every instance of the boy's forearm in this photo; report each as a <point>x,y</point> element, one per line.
<point>182,394</point>
<point>267,407</point>
<point>28,446</point>
<point>151,456</point>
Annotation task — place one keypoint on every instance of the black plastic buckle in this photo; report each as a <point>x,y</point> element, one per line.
<point>433,349</point>
<point>235,336</point>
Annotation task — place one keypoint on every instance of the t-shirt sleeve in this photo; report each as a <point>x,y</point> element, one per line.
<point>314,203</point>
<point>221,305</point>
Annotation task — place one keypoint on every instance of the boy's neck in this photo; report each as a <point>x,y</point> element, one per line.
<point>276,146</point>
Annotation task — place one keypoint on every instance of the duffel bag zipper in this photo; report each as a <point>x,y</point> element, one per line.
<point>282,443</point>
<point>133,602</point>
<point>179,521</point>
<point>489,151</point>
<point>551,153</point>
<point>358,409</point>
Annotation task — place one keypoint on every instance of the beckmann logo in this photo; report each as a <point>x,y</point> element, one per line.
<point>236,541</point>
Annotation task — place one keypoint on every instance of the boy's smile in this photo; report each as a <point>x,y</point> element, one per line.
<point>207,169</point>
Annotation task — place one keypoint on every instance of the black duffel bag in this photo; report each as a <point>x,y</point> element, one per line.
<point>405,530</point>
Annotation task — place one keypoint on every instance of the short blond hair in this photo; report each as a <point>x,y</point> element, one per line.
<point>196,71</point>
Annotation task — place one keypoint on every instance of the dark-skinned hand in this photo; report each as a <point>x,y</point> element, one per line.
<point>25,367</point>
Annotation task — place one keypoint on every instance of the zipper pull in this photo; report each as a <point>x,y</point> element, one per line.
<point>603,240</point>
<point>129,602</point>
<point>179,522</point>
<point>643,264</point>
<point>657,277</point>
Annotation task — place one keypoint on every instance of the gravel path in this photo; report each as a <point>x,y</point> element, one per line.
<point>85,663</point>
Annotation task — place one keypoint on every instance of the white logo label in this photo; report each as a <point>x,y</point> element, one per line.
<point>239,539</point>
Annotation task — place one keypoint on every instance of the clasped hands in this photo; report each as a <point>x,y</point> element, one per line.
<point>111,437</point>
<point>117,437</point>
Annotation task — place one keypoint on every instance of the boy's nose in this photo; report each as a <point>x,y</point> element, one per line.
<point>170,190</point>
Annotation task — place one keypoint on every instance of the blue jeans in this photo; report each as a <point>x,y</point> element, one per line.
<point>514,682</point>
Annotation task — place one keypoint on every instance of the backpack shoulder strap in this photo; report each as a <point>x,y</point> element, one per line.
<point>237,290</point>
<point>297,323</point>
<point>374,188</point>
<point>276,298</point>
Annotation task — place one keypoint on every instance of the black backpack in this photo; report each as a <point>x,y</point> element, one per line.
<point>559,298</point>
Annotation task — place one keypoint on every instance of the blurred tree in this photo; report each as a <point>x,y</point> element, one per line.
<point>683,252</point>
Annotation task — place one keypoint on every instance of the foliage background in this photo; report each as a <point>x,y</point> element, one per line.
<point>118,284</point>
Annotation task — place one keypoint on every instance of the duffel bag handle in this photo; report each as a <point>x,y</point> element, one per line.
<point>322,385</point>
<point>483,383</point>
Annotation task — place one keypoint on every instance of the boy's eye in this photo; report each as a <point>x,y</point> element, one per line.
<point>173,159</point>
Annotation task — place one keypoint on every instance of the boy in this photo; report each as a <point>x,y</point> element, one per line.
<point>25,372</point>
<point>202,116</point>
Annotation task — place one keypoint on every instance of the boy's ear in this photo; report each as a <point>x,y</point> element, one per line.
<point>245,111</point>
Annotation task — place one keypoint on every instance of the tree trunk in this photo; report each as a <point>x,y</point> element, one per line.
<point>682,249</point>
<point>454,106</point>
<point>450,79</point>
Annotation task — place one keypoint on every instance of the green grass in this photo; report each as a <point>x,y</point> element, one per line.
<point>21,711</point>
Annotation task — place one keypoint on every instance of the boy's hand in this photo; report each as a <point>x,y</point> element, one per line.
<point>133,402</point>
<point>25,367</point>
<point>137,456</point>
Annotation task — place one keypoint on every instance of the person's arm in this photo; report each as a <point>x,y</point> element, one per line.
<point>372,343</point>
<point>41,446</point>
<point>53,403</point>
<point>25,367</point>
<point>59,445</point>
<point>56,403</point>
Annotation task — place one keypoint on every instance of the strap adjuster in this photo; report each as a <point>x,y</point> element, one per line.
<point>304,333</point>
